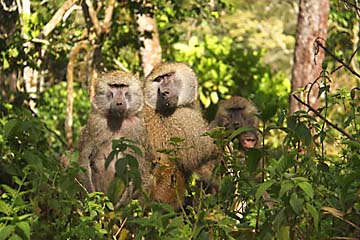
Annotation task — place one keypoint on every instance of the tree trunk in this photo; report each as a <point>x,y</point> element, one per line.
<point>312,24</point>
<point>149,37</point>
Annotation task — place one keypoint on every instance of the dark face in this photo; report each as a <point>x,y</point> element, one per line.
<point>118,96</point>
<point>236,119</point>
<point>167,93</point>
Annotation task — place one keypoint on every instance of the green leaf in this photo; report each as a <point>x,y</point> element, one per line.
<point>315,215</point>
<point>279,219</point>
<point>121,167</point>
<point>307,188</point>
<point>296,203</point>
<point>285,187</point>
<point>253,157</point>
<point>351,143</point>
<point>6,64</point>
<point>263,187</point>
<point>238,131</point>
<point>136,149</point>
<point>176,140</point>
<point>10,125</point>
<point>115,190</point>
<point>136,178</point>
<point>132,161</point>
<point>269,111</point>
<point>6,232</point>
<point>303,133</point>
<point>283,233</point>
<point>5,208</point>
<point>24,229</point>
<point>109,158</point>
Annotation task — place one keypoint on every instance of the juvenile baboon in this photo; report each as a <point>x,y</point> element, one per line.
<point>115,113</point>
<point>235,113</point>
<point>171,110</point>
<point>232,114</point>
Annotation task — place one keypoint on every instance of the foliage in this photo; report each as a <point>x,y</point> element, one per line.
<point>222,56</point>
<point>307,183</point>
<point>51,108</point>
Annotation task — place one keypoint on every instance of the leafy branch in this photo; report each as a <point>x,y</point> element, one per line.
<point>325,119</point>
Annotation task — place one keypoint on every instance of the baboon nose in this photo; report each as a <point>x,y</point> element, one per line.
<point>119,103</point>
<point>165,93</point>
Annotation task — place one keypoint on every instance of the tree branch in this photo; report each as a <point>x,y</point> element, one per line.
<point>50,26</point>
<point>319,44</point>
<point>70,91</point>
<point>93,17</point>
<point>326,120</point>
<point>108,16</point>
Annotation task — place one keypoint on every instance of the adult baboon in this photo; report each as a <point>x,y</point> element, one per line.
<point>115,113</point>
<point>171,110</point>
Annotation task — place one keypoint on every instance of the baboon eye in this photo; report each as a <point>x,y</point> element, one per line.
<point>118,85</point>
<point>158,79</point>
<point>236,109</point>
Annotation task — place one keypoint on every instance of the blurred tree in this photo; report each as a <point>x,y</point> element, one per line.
<point>312,24</point>
<point>150,49</point>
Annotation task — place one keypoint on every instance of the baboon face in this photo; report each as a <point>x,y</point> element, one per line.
<point>170,85</point>
<point>234,117</point>
<point>248,139</point>
<point>235,113</point>
<point>118,95</point>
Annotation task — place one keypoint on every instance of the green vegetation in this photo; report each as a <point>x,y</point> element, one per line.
<point>311,164</point>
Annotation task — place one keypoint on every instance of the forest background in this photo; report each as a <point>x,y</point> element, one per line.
<point>51,52</point>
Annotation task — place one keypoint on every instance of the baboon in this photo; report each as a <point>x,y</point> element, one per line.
<point>115,113</point>
<point>171,110</point>
<point>232,114</point>
<point>235,113</point>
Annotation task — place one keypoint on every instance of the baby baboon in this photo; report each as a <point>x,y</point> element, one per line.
<point>115,113</point>
<point>171,111</point>
<point>235,113</point>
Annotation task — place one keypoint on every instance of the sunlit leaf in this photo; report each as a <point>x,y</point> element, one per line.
<point>214,97</point>
<point>307,188</point>
<point>6,232</point>
<point>5,208</point>
<point>24,229</point>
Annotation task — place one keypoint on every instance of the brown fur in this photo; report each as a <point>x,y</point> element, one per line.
<point>112,118</point>
<point>170,111</point>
